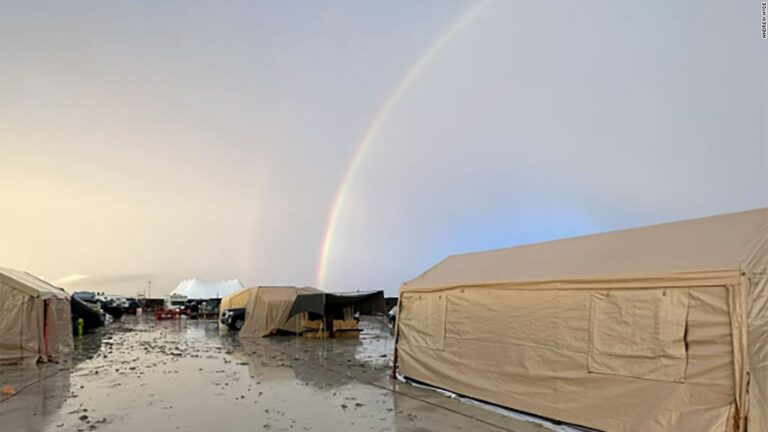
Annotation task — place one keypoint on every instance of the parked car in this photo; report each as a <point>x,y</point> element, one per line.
<point>90,299</point>
<point>233,318</point>
<point>131,305</point>
<point>91,315</point>
<point>192,308</point>
<point>114,311</point>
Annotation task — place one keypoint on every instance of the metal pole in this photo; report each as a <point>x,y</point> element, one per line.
<point>298,317</point>
<point>325,318</point>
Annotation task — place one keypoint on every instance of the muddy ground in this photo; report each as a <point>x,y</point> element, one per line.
<point>139,374</point>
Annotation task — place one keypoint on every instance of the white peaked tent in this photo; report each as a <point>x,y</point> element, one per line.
<point>196,289</point>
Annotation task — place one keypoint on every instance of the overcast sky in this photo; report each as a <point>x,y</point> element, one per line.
<point>145,140</point>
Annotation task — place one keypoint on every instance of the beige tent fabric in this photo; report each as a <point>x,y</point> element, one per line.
<point>20,323</point>
<point>758,353</point>
<point>268,308</point>
<point>35,319</point>
<point>649,329</point>
<point>756,260</point>
<point>60,342</point>
<point>238,299</point>
<point>30,284</point>
<point>706,244</point>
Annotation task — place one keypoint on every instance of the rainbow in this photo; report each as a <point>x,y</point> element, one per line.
<point>378,120</point>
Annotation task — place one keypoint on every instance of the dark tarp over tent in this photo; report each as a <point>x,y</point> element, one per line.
<point>271,310</point>
<point>337,312</point>
<point>91,317</point>
<point>333,305</point>
<point>266,312</point>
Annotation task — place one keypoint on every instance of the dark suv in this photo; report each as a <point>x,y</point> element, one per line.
<point>233,318</point>
<point>131,305</point>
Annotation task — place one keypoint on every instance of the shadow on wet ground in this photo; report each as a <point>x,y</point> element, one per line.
<point>146,375</point>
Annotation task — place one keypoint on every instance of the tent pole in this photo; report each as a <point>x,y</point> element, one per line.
<point>21,332</point>
<point>325,318</point>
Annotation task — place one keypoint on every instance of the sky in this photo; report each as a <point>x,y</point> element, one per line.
<point>351,145</point>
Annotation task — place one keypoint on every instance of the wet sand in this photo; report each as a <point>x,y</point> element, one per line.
<point>143,375</point>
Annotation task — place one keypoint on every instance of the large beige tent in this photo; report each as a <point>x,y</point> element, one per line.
<point>268,310</point>
<point>35,319</point>
<point>663,328</point>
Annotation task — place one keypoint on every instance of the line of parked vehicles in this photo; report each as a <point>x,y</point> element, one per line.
<point>96,309</point>
<point>176,305</point>
<point>107,307</point>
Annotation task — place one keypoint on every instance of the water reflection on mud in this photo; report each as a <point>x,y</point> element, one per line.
<point>41,389</point>
<point>141,374</point>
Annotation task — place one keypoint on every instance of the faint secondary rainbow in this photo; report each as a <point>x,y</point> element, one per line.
<point>378,120</point>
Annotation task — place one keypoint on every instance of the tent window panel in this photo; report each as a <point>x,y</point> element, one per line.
<point>639,333</point>
<point>532,319</point>
<point>422,320</point>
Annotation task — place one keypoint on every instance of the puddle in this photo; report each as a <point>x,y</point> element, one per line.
<point>142,375</point>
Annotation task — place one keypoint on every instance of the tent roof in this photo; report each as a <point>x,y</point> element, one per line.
<point>241,291</point>
<point>320,302</point>
<point>196,289</point>
<point>290,287</point>
<point>279,291</point>
<point>32,285</point>
<point>736,241</point>
<point>284,292</point>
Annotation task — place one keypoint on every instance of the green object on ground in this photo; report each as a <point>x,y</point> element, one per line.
<point>80,325</point>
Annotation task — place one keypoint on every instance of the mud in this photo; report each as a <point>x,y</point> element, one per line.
<point>143,375</point>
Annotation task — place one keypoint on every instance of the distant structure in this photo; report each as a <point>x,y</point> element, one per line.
<point>197,289</point>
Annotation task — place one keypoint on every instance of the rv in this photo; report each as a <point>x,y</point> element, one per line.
<point>175,301</point>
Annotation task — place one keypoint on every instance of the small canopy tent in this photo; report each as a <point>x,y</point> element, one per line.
<point>35,319</point>
<point>268,308</point>
<point>335,312</point>
<point>333,304</point>
<point>651,329</point>
<point>197,289</point>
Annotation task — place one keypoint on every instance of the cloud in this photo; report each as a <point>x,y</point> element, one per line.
<point>71,279</point>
